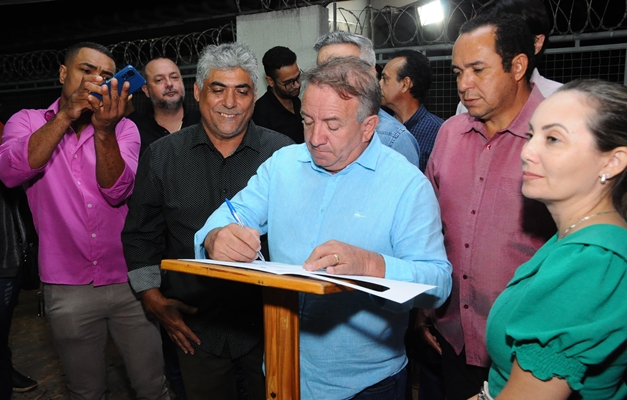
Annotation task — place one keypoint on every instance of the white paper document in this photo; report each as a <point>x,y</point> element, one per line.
<point>397,291</point>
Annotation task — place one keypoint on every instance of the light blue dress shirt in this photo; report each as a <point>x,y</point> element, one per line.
<point>394,135</point>
<point>348,341</point>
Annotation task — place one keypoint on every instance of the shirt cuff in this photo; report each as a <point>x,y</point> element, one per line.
<point>121,189</point>
<point>396,269</point>
<point>199,244</point>
<point>145,278</point>
<point>549,361</point>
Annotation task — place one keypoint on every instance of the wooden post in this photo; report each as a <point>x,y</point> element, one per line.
<point>281,344</point>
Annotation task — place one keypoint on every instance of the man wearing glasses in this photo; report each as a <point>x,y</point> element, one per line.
<point>279,108</point>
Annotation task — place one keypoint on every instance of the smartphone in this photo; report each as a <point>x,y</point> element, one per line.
<point>128,73</point>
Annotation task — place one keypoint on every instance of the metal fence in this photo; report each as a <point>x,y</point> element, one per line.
<point>570,61</point>
<point>30,80</point>
<point>392,26</point>
<point>588,39</point>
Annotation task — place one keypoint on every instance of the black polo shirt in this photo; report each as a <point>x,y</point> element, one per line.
<point>181,180</point>
<point>150,130</point>
<point>270,113</point>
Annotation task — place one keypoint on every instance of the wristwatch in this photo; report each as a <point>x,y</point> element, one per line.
<point>484,394</point>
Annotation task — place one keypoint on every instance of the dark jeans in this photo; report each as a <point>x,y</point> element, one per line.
<point>172,366</point>
<point>210,377</point>
<point>431,383</point>
<point>391,388</point>
<point>461,381</point>
<point>9,292</point>
<point>424,362</point>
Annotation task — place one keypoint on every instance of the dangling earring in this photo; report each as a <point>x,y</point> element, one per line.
<point>603,179</point>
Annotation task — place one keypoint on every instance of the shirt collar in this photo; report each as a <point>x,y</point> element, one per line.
<point>417,117</point>
<point>367,159</point>
<point>52,110</point>
<point>520,124</point>
<point>277,102</point>
<point>150,110</point>
<point>250,139</point>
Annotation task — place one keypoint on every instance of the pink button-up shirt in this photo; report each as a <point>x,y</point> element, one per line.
<point>489,227</point>
<point>78,222</point>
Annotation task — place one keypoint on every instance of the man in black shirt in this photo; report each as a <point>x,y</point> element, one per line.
<point>279,108</point>
<point>180,181</point>
<point>166,91</point>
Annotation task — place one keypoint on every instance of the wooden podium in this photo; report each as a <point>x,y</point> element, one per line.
<point>281,328</point>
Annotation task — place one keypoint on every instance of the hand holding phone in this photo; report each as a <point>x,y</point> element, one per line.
<point>128,73</point>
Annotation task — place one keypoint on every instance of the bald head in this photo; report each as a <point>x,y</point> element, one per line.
<point>164,84</point>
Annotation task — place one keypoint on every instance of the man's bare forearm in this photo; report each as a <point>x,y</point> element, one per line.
<point>109,161</point>
<point>45,140</point>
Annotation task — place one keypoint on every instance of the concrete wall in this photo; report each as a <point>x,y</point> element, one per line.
<point>379,4</point>
<point>352,16</point>
<point>296,29</point>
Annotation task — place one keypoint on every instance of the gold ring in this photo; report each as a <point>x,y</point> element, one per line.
<point>337,259</point>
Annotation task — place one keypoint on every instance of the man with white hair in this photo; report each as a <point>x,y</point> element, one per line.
<point>181,180</point>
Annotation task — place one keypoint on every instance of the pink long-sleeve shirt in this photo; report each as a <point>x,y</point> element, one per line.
<point>79,223</point>
<point>490,229</point>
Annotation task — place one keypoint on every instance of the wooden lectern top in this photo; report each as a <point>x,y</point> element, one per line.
<point>281,330</point>
<point>300,284</point>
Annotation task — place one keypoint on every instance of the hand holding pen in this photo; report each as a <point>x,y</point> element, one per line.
<point>240,223</point>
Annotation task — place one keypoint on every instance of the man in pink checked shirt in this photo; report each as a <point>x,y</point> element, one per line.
<point>490,229</point>
<point>77,160</point>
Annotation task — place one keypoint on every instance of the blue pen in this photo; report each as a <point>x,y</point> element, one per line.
<point>240,223</point>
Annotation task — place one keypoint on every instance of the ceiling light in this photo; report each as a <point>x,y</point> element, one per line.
<point>431,13</point>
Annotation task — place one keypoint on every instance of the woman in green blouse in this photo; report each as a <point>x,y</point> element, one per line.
<point>560,327</point>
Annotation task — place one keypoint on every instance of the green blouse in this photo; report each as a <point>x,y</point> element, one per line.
<point>564,314</point>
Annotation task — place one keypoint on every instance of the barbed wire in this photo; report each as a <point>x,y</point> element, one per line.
<point>388,27</point>
<point>182,49</point>
<point>400,26</point>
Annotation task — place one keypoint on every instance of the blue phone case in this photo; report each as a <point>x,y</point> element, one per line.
<point>128,73</point>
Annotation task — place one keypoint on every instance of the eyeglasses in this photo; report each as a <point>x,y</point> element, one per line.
<point>292,82</point>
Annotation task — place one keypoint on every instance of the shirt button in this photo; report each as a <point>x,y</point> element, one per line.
<point>78,182</point>
<point>473,212</point>
<point>75,155</point>
<point>465,276</point>
<point>466,245</point>
<point>95,262</point>
<point>489,146</point>
<point>465,306</point>
<point>481,179</point>
<point>88,205</point>
<point>93,235</point>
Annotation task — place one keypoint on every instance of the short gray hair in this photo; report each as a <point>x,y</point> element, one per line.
<point>227,57</point>
<point>348,77</point>
<point>366,50</point>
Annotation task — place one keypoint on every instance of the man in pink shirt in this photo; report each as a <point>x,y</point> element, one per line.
<point>533,12</point>
<point>489,228</point>
<point>77,160</point>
